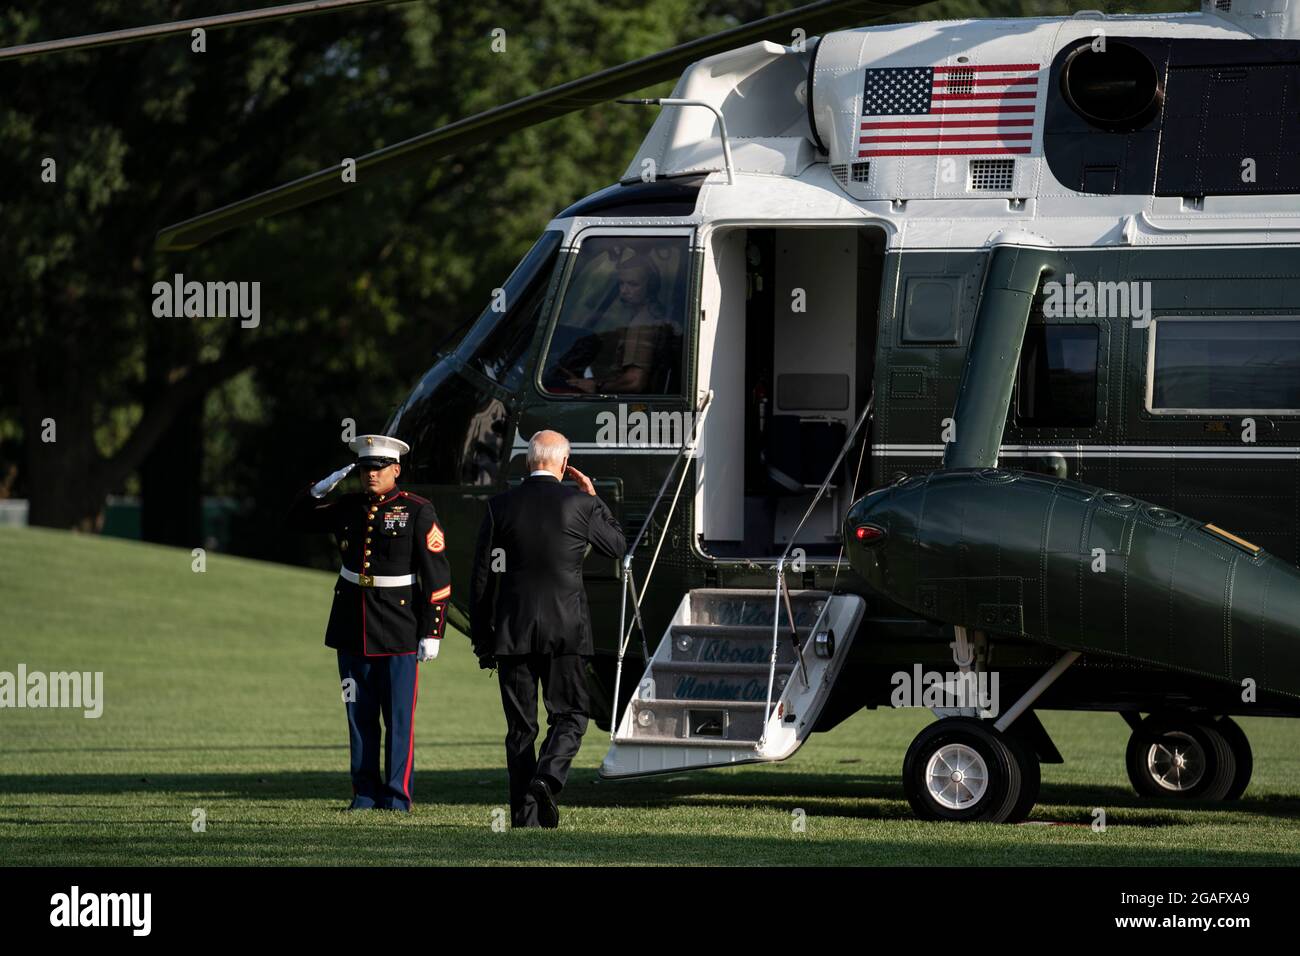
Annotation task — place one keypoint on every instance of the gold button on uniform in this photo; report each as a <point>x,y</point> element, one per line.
<point>367,552</point>
<point>366,564</point>
<point>402,601</point>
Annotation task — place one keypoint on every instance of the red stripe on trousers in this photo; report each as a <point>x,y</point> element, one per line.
<point>410,749</point>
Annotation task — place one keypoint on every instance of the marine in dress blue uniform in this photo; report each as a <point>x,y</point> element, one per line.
<point>388,614</point>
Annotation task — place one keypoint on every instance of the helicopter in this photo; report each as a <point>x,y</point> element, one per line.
<point>951,365</point>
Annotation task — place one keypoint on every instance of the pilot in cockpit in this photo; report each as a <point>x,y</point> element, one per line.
<point>628,343</point>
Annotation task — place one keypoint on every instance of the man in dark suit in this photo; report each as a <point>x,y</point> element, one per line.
<point>529,617</point>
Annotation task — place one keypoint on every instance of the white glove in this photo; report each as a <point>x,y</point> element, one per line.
<point>428,649</point>
<point>326,485</point>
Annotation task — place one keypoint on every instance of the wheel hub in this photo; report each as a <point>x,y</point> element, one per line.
<point>956,776</point>
<point>1176,762</point>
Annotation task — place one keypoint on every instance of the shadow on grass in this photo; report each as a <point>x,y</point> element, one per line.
<point>398,840</point>
<point>297,818</point>
<point>847,795</point>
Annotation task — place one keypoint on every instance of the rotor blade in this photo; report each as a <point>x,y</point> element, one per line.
<point>537,108</point>
<point>215,22</point>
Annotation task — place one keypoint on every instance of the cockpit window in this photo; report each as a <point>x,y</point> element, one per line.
<point>497,345</point>
<point>622,319</point>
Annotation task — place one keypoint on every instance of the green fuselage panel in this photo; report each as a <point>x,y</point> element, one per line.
<point>1081,568</point>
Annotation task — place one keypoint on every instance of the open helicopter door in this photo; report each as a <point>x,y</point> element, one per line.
<point>787,344</point>
<point>786,340</point>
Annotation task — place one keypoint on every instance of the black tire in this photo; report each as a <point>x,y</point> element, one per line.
<point>1030,777</point>
<point>991,788</point>
<point>1241,754</point>
<point>1180,757</point>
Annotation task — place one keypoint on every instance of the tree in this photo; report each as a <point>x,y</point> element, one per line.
<point>356,292</point>
<point>148,134</point>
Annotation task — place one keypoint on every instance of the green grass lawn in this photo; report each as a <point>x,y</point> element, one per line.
<point>220,697</point>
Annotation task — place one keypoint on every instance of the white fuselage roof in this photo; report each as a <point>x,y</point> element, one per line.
<point>924,201</point>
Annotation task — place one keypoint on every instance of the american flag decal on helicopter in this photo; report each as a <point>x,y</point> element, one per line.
<point>949,110</point>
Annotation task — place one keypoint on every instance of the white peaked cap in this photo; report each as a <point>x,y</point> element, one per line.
<point>379,446</point>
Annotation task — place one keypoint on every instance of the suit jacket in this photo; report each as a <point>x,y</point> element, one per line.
<point>535,603</point>
<point>394,535</point>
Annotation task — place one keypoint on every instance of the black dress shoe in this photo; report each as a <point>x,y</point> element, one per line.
<point>548,812</point>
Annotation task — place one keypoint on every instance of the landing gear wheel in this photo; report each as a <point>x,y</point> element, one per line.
<point>962,769</point>
<point>1241,754</point>
<point>1180,757</point>
<point>1030,777</point>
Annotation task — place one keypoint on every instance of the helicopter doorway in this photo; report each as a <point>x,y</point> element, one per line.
<point>790,358</point>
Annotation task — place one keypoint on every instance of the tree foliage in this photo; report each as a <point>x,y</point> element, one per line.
<point>356,292</point>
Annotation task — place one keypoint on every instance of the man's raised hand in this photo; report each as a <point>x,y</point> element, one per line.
<point>326,485</point>
<point>583,481</point>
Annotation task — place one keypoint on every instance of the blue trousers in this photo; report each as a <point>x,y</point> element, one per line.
<point>381,687</point>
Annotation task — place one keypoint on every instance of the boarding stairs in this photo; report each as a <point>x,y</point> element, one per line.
<point>739,676</point>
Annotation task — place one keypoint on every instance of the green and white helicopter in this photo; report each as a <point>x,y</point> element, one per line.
<point>940,364</point>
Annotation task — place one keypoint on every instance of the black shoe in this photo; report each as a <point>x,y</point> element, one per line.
<point>548,812</point>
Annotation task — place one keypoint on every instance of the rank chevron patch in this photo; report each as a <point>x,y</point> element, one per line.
<point>435,540</point>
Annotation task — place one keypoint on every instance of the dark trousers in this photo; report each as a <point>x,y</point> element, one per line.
<point>564,692</point>
<point>381,687</point>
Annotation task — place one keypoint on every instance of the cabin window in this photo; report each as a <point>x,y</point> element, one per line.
<point>1056,386</point>
<point>497,345</point>
<point>932,313</point>
<point>622,318</point>
<point>1224,365</point>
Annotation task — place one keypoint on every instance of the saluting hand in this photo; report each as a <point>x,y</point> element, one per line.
<point>326,484</point>
<point>583,481</point>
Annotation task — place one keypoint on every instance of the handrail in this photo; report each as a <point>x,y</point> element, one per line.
<point>628,582</point>
<point>687,445</point>
<point>783,591</point>
<point>722,123</point>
